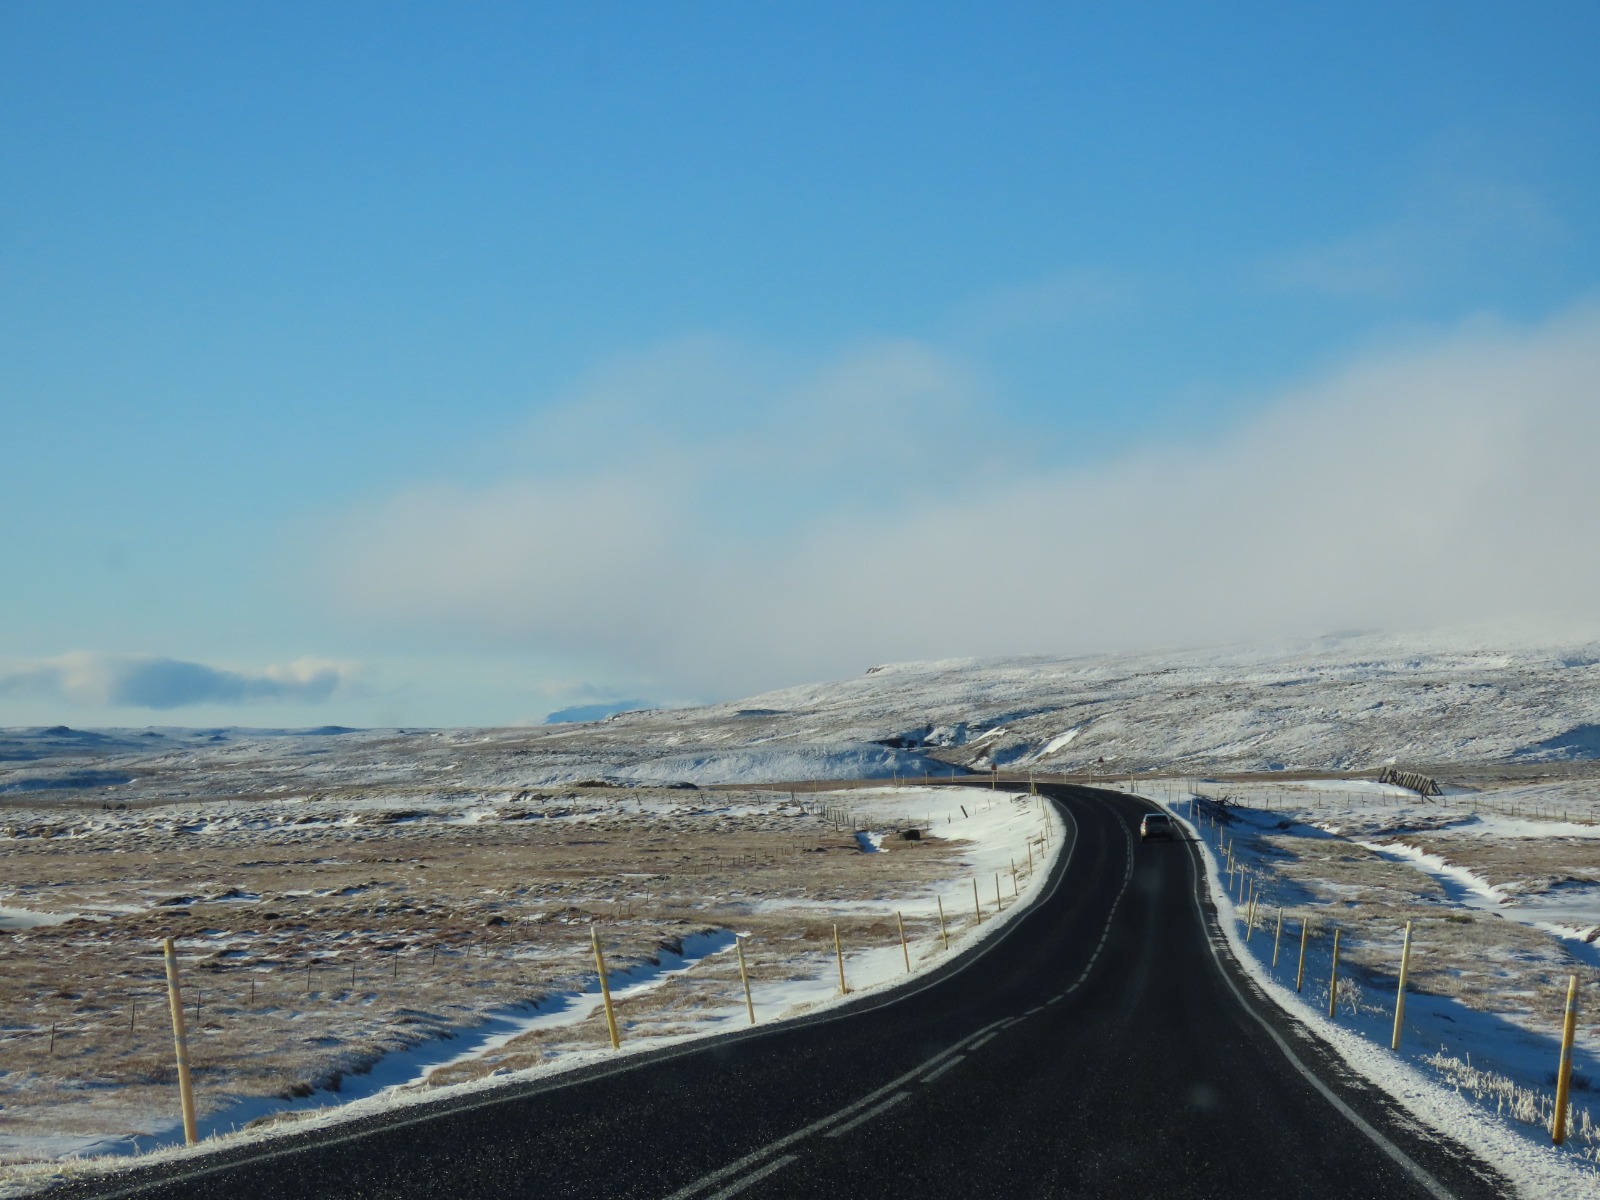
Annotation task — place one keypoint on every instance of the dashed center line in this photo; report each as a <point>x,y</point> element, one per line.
<point>942,1068</point>
<point>944,1061</point>
<point>738,1186</point>
<point>783,1143</point>
<point>863,1118</point>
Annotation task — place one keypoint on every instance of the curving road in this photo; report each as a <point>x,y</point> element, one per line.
<point>1104,1045</point>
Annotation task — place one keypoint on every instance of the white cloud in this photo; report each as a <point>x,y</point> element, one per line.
<point>870,513</point>
<point>135,681</point>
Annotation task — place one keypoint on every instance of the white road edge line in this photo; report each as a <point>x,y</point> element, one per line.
<point>1400,1157</point>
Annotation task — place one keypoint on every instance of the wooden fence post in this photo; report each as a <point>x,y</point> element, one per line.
<point>1333,977</point>
<point>605,989</point>
<point>1558,1129</point>
<point>744,978</point>
<point>180,1043</point>
<point>1400,996</point>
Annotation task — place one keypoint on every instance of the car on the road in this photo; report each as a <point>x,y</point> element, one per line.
<point>1157,826</point>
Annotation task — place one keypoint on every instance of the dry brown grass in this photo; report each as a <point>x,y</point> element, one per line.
<point>367,929</point>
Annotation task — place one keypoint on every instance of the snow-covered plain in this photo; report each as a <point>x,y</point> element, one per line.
<point>1512,730</point>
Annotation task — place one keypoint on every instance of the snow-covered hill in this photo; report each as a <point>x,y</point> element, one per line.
<point>1338,703</point>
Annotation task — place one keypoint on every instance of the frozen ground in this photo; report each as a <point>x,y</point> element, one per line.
<point>1503,909</point>
<point>340,954</point>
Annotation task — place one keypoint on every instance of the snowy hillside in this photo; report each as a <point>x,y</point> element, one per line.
<point>1334,704</point>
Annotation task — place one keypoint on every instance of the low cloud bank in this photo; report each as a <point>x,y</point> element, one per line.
<point>129,681</point>
<point>874,511</point>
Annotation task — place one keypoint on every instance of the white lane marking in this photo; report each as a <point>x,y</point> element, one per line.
<point>1400,1157</point>
<point>734,1189</point>
<point>979,1043</point>
<point>1035,1009</point>
<point>875,1111</point>
<point>940,1070</point>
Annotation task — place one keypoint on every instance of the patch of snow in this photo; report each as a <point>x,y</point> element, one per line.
<point>13,920</point>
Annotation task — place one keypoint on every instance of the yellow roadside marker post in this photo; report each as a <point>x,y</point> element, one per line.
<point>838,951</point>
<point>1400,996</point>
<point>744,978</point>
<point>976,906</point>
<point>904,949</point>
<point>180,1043</point>
<point>1276,938</point>
<point>605,989</point>
<point>1300,971</point>
<point>1333,978</point>
<point>1569,1028</point>
<point>943,932</point>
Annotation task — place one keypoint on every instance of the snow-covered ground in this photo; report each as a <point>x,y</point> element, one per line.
<point>1481,1036</point>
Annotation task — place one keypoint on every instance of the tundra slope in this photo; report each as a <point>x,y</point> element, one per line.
<point>1333,704</point>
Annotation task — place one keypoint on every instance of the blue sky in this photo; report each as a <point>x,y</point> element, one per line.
<point>456,364</point>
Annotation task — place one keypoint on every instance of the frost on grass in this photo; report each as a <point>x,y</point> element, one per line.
<point>1515,1102</point>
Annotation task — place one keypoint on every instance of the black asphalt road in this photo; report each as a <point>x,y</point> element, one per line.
<point>1104,1045</point>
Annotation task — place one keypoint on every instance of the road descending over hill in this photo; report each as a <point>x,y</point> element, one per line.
<point>1103,1045</point>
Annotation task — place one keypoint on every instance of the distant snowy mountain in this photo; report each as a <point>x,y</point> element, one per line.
<point>1337,703</point>
<point>1344,703</point>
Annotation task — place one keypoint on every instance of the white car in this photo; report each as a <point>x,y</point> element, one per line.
<point>1157,825</point>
